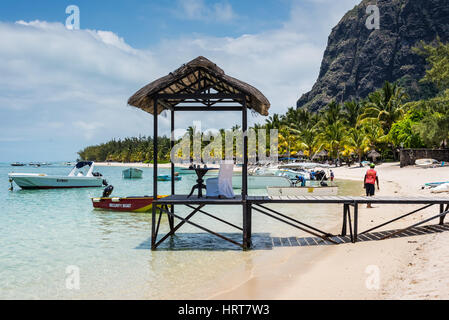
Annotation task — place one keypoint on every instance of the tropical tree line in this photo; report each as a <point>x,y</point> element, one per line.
<point>385,121</point>
<point>128,150</point>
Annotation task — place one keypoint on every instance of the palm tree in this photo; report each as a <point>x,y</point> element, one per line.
<point>373,132</point>
<point>386,105</point>
<point>273,122</point>
<point>352,110</point>
<point>306,140</point>
<point>332,114</point>
<point>358,142</point>
<point>333,137</point>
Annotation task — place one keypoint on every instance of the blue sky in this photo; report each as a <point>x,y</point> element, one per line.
<point>61,90</point>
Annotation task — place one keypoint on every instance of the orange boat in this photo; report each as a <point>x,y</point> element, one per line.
<point>129,204</point>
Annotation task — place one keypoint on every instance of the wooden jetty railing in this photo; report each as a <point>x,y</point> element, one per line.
<point>258,204</point>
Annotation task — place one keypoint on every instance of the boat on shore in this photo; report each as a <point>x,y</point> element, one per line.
<point>132,173</point>
<point>75,179</point>
<point>426,163</point>
<point>128,204</point>
<point>444,187</point>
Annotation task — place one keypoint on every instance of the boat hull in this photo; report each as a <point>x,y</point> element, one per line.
<point>132,173</point>
<point>130,204</point>
<point>168,178</point>
<point>37,181</point>
<point>302,191</point>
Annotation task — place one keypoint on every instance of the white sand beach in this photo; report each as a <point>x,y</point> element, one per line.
<point>407,268</point>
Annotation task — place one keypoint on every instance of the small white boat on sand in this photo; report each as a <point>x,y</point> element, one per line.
<point>440,188</point>
<point>75,179</point>
<point>426,163</point>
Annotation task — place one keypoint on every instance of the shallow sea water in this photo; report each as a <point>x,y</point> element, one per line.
<point>47,234</point>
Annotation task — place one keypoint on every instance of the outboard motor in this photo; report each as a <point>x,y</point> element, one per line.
<point>107,191</point>
<point>105,183</point>
<point>320,176</point>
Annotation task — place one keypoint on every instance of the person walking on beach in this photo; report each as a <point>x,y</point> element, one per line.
<point>370,180</point>
<point>332,176</point>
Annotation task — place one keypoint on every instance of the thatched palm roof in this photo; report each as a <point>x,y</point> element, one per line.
<point>322,153</point>
<point>373,154</point>
<point>197,76</point>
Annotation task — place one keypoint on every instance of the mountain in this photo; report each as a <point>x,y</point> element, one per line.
<point>358,60</point>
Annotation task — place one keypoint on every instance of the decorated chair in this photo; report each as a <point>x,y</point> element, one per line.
<point>222,185</point>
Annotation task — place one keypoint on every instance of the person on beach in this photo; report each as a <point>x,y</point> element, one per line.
<point>369,182</point>
<point>332,176</point>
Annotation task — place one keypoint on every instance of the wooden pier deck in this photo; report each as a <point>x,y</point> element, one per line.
<point>184,199</point>
<point>257,204</point>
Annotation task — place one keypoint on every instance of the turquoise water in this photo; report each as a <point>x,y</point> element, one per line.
<point>45,232</point>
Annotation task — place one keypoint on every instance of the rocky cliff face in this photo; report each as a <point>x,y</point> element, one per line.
<point>358,60</point>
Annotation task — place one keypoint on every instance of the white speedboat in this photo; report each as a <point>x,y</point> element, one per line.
<point>75,179</point>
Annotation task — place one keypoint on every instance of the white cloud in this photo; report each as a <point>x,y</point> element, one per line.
<point>198,10</point>
<point>89,128</point>
<point>83,78</point>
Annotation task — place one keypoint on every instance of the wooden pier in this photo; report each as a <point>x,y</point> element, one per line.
<point>258,204</point>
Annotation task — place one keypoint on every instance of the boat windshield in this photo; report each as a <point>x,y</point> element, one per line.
<point>78,169</point>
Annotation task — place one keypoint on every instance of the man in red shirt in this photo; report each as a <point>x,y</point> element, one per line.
<point>370,180</point>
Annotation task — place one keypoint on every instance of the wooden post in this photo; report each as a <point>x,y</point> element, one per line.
<point>345,215</point>
<point>356,220</point>
<point>172,144</point>
<point>245,225</point>
<point>249,222</point>
<point>153,215</point>
<point>245,150</point>
<point>442,217</point>
<point>246,210</point>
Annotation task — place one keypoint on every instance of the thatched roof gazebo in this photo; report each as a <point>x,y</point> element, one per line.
<point>321,154</point>
<point>199,85</point>
<point>373,154</point>
<point>195,77</point>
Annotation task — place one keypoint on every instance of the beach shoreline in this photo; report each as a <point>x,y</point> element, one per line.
<point>131,164</point>
<point>403,268</point>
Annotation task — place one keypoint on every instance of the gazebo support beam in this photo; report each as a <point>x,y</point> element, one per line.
<point>153,215</point>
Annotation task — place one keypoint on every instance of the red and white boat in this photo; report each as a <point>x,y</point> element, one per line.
<point>129,204</point>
